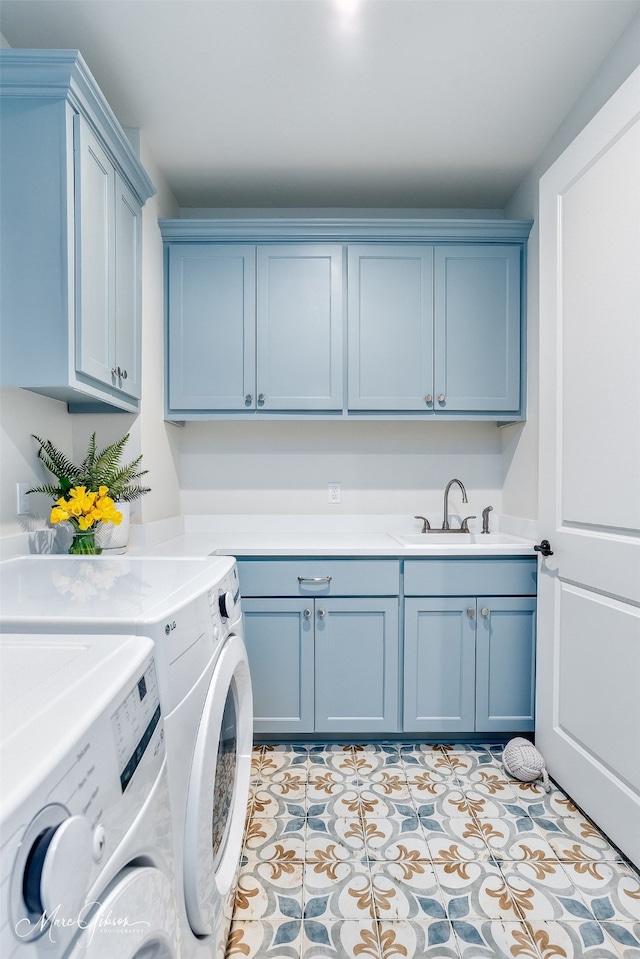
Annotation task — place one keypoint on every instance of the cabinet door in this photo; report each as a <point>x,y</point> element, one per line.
<point>477,328</point>
<point>505,664</point>
<point>439,665</point>
<point>95,243</point>
<point>299,328</point>
<point>390,327</point>
<point>279,641</point>
<point>211,320</point>
<point>356,658</point>
<point>127,289</point>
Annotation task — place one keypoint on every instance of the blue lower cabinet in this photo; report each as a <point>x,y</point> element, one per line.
<point>323,665</point>
<point>279,641</point>
<point>439,665</point>
<point>356,665</point>
<point>505,664</point>
<point>469,664</point>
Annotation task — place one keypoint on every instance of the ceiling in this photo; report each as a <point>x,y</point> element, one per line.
<point>335,103</point>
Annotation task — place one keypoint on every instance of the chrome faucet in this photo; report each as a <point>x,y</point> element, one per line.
<point>445,522</point>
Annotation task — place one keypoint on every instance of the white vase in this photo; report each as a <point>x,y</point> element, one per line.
<point>113,539</point>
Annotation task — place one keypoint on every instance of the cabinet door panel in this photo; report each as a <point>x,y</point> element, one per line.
<point>477,327</point>
<point>299,328</point>
<point>95,243</point>
<point>439,665</point>
<point>211,327</point>
<point>357,653</point>
<point>505,656</point>
<point>390,327</point>
<point>279,641</point>
<point>128,273</point>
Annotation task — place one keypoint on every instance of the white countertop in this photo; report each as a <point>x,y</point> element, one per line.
<point>305,536</point>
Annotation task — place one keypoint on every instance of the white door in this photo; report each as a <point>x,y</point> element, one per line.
<point>588,711</point>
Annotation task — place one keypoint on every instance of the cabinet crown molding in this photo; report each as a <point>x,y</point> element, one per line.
<point>64,75</point>
<point>348,229</point>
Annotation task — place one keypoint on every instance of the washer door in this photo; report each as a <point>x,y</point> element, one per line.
<point>218,790</point>
<point>136,918</point>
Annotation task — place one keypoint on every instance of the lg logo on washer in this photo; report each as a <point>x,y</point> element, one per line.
<point>169,627</point>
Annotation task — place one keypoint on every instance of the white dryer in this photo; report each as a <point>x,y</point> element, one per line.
<point>85,827</point>
<point>191,609</point>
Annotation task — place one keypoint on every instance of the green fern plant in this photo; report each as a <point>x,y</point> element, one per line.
<point>104,468</point>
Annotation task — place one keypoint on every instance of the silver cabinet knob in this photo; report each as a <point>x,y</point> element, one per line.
<point>248,399</point>
<point>124,374</point>
<point>471,613</point>
<point>428,399</point>
<point>322,613</point>
<point>306,613</point>
<point>114,371</point>
<point>261,398</point>
<point>484,612</point>
<point>441,398</point>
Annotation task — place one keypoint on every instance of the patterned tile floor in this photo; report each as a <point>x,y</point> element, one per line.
<point>393,851</point>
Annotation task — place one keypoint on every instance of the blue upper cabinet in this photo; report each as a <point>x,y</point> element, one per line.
<point>299,327</point>
<point>212,337</point>
<point>390,327</point>
<point>477,328</point>
<point>254,329</point>
<point>434,318</point>
<point>72,192</point>
<point>435,328</point>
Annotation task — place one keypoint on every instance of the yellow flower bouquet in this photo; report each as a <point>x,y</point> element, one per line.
<point>84,509</point>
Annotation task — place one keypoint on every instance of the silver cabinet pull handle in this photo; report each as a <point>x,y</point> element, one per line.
<point>114,371</point>
<point>428,399</point>
<point>261,397</point>
<point>314,579</point>
<point>306,613</point>
<point>441,398</point>
<point>124,374</point>
<point>322,613</point>
<point>485,612</point>
<point>248,398</point>
<point>471,613</point>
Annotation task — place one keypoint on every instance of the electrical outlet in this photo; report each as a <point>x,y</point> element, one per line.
<point>333,494</point>
<point>22,499</point>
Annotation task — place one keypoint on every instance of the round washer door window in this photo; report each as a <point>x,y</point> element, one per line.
<point>218,789</point>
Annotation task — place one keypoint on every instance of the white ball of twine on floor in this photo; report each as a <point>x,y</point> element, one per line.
<point>523,761</point>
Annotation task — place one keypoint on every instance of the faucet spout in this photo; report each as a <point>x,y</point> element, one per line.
<point>445,522</point>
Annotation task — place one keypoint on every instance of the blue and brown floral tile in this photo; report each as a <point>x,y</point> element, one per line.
<point>395,839</point>
<point>341,939</point>
<point>276,839</point>
<point>494,939</point>
<point>407,939</point>
<point>335,889</point>
<point>625,936</point>
<point>475,890</point>
<point>256,939</point>
<point>542,890</point>
<point>406,889</point>
<point>572,940</point>
<point>334,838</point>
<point>269,890</point>
<point>456,838</point>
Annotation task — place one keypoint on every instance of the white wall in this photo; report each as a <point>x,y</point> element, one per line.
<point>382,467</point>
<point>520,442</point>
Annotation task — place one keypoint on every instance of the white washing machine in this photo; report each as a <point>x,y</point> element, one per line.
<point>191,609</point>
<point>85,825</point>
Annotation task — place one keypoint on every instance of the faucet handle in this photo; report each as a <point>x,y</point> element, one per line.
<point>465,524</point>
<point>425,523</point>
